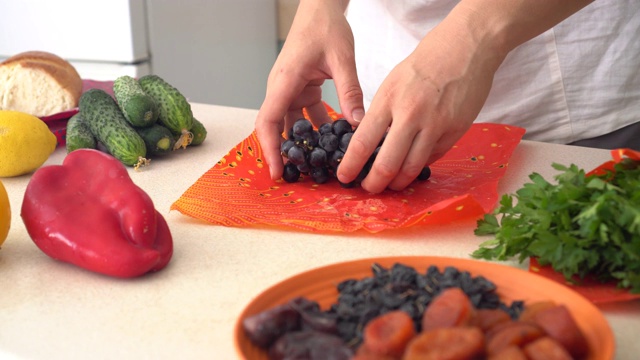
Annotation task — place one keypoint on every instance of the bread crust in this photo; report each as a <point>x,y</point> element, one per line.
<point>59,69</point>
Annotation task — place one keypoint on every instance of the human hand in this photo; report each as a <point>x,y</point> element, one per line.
<point>319,46</point>
<point>431,99</point>
<point>427,102</point>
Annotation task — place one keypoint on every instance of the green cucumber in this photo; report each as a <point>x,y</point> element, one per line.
<point>108,125</point>
<point>138,107</point>
<point>79,135</point>
<point>158,139</point>
<point>174,111</point>
<point>199,132</point>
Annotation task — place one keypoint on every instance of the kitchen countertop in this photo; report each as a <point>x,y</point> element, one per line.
<point>52,310</point>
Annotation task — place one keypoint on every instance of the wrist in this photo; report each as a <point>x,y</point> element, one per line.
<point>481,30</point>
<point>340,5</point>
<point>464,37</point>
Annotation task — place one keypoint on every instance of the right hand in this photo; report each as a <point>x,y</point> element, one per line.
<point>319,46</point>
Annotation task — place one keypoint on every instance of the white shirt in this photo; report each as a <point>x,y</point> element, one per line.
<point>578,80</point>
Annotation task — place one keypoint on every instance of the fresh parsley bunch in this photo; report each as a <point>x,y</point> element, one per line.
<point>580,225</point>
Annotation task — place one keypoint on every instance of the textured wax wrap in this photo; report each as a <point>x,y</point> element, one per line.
<point>238,190</point>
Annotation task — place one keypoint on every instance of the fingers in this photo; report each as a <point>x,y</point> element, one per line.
<point>269,122</point>
<point>310,99</point>
<point>349,92</point>
<point>396,158</point>
<point>414,162</point>
<point>269,137</point>
<point>318,114</point>
<point>364,141</point>
<point>406,149</point>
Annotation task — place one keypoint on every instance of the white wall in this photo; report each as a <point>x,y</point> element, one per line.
<point>219,52</point>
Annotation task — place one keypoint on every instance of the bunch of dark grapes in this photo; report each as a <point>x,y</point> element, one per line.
<point>318,153</point>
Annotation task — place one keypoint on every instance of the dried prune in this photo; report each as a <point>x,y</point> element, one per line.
<point>311,345</point>
<point>313,318</point>
<point>266,327</point>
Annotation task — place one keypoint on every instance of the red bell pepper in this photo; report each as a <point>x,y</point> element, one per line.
<point>88,212</point>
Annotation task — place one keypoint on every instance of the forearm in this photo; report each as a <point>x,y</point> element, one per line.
<point>338,5</point>
<point>480,33</point>
<point>508,23</point>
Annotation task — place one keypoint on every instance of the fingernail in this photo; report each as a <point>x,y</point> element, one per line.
<point>357,115</point>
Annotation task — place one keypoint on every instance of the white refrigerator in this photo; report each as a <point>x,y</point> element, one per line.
<point>214,51</point>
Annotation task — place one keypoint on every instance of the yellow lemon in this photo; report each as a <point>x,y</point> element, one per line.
<point>25,143</point>
<point>5,214</point>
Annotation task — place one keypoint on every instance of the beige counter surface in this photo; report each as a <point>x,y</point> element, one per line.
<point>51,310</point>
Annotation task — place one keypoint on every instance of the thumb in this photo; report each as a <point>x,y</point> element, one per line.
<point>349,94</point>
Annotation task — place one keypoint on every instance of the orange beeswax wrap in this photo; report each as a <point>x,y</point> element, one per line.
<point>594,290</point>
<point>238,190</point>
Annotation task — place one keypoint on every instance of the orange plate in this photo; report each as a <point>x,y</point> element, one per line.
<point>513,284</point>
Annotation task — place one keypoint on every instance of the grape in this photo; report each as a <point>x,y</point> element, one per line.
<point>325,128</point>
<point>302,127</point>
<point>285,146</point>
<point>383,138</point>
<point>319,152</point>
<point>311,139</point>
<point>291,173</point>
<point>368,165</point>
<point>320,175</point>
<point>317,157</point>
<point>425,173</point>
<point>348,185</point>
<point>296,155</point>
<point>329,142</point>
<point>341,127</point>
<point>304,168</point>
<point>335,159</point>
<point>375,153</point>
<point>364,171</point>
<point>345,140</point>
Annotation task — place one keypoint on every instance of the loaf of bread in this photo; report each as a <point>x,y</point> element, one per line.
<point>38,83</point>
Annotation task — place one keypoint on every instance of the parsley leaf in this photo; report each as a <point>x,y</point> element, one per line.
<point>580,225</point>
